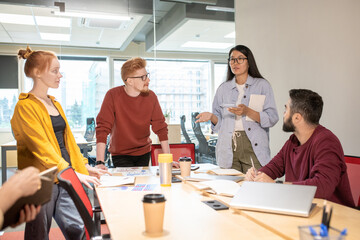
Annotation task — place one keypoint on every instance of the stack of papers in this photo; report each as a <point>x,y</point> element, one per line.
<point>131,171</point>
<point>225,188</point>
<point>224,171</point>
<point>115,181</point>
<point>199,177</point>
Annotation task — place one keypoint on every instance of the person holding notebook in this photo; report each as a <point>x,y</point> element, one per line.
<point>22,184</point>
<point>243,111</point>
<point>44,140</point>
<point>313,155</point>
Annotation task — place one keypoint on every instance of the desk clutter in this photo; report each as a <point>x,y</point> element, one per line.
<point>323,230</point>
<point>195,204</point>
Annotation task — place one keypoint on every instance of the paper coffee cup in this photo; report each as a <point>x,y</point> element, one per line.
<point>185,166</point>
<point>154,206</point>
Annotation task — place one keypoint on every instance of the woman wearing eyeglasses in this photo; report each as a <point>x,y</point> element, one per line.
<point>127,113</point>
<point>243,111</point>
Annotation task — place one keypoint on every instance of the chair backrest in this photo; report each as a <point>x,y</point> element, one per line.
<point>183,129</point>
<point>90,129</point>
<point>71,183</point>
<point>353,171</point>
<point>177,149</point>
<point>203,144</point>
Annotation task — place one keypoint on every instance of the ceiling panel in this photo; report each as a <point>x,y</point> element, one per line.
<point>199,31</point>
<point>84,34</point>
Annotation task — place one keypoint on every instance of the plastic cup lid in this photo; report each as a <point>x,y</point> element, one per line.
<point>165,158</point>
<point>185,159</point>
<point>154,198</point>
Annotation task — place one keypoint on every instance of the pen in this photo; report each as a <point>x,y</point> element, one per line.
<point>324,215</point>
<point>312,231</point>
<point>323,230</point>
<point>252,163</point>
<point>329,218</point>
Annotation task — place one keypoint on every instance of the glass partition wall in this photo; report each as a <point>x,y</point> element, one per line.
<point>184,44</point>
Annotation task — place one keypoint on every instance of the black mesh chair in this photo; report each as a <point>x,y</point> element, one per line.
<point>107,157</point>
<point>183,129</point>
<point>90,129</point>
<point>206,150</point>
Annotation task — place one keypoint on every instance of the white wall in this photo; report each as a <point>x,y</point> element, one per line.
<point>312,44</point>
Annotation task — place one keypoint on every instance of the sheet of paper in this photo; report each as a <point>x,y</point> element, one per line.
<point>256,103</point>
<point>137,188</point>
<point>113,181</point>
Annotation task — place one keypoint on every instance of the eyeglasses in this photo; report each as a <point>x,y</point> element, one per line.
<point>143,77</point>
<point>237,60</point>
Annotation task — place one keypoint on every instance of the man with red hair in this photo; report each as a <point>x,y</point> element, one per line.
<point>127,113</point>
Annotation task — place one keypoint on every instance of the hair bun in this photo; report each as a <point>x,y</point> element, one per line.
<point>25,54</point>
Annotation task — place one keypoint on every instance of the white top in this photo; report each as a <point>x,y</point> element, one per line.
<point>238,122</point>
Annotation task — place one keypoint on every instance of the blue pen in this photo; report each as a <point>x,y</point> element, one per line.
<point>323,230</point>
<point>342,234</point>
<point>312,231</point>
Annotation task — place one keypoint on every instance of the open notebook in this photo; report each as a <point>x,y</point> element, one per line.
<point>286,199</point>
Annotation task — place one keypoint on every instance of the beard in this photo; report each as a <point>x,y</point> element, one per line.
<point>288,125</point>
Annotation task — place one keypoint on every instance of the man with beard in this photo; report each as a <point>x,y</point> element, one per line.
<point>127,113</point>
<point>313,155</point>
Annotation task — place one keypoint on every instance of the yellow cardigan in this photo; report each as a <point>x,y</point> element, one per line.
<point>36,141</point>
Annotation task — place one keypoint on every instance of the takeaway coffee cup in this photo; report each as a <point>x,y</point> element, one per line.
<point>154,206</point>
<point>185,166</point>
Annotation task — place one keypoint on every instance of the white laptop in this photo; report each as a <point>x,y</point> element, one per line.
<point>286,199</point>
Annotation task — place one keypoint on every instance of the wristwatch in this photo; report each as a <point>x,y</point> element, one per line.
<point>99,162</point>
<point>279,181</point>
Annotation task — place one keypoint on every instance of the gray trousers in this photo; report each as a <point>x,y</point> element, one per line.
<point>64,211</point>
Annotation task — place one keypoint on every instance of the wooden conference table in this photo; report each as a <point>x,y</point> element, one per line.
<point>80,141</point>
<point>186,217</point>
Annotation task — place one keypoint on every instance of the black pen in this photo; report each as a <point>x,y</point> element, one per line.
<point>329,218</point>
<point>324,216</point>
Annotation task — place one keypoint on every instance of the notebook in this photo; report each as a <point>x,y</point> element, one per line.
<point>275,198</point>
<point>42,196</point>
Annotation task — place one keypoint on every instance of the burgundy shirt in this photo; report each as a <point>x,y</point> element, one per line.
<point>319,162</point>
<point>128,119</point>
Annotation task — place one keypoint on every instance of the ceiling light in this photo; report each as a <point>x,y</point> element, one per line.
<point>55,37</point>
<point>17,19</point>
<point>230,35</point>
<point>93,15</point>
<point>53,21</point>
<point>215,45</point>
<point>220,9</point>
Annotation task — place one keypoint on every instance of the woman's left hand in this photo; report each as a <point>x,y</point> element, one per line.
<point>240,110</point>
<point>96,172</point>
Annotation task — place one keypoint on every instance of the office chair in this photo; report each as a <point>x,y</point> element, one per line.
<point>206,149</point>
<point>183,129</point>
<point>90,129</point>
<point>71,183</point>
<point>177,149</point>
<point>107,157</point>
<point>353,171</point>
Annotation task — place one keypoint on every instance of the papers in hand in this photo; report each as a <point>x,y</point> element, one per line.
<point>115,181</point>
<point>224,171</point>
<point>220,187</point>
<point>256,103</point>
